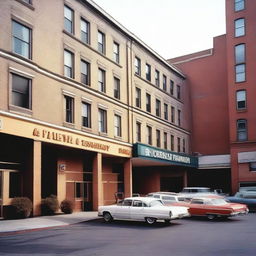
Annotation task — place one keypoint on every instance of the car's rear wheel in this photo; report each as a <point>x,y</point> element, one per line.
<point>211,216</point>
<point>150,220</point>
<point>107,217</point>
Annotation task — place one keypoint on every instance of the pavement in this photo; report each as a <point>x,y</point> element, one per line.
<point>44,222</point>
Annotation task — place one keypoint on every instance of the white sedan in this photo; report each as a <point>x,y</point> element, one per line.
<point>142,209</point>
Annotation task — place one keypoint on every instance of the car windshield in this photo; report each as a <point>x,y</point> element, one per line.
<point>218,201</point>
<point>155,203</point>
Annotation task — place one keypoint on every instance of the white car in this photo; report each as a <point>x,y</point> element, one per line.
<point>142,209</point>
<point>167,197</point>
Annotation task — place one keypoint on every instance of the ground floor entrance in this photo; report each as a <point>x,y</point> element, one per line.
<point>172,184</point>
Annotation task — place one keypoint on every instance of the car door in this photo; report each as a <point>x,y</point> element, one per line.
<point>123,211</point>
<point>137,210</point>
<point>196,207</point>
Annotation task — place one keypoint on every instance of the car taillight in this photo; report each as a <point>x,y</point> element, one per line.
<point>170,214</point>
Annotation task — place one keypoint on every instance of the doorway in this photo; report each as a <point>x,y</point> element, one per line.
<point>1,194</point>
<point>171,184</point>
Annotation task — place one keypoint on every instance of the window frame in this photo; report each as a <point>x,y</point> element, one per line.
<point>239,73</point>
<point>116,55</point>
<point>101,80</point>
<point>101,45</point>
<point>165,111</point>
<point>117,125</point>
<point>148,102</point>
<point>70,68</point>
<point>149,135</point>
<point>171,87</point>
<point>86,75</point>
<point>87,32</point>
<point>72,27</point>
<point>172,142</point>
<point>148,72</point>
<point>179,117</point>
<point>138,131</point>
<point>240,131</point>
<point>69,110</point>
<point>245,100</point>
<point>238,28</point>
<point>178,92</point>
<point>137,66</point>
<point>158,108</point>
<point>89,109</point>
<point>29,43</point>
<point>158,138</point>
<point>157,78</point>
<point>173,114</point>
<point>117,90</point>
<point>165,140</point>
<point>236,5</point>
<point>137,97</point>
<point>102,123</point>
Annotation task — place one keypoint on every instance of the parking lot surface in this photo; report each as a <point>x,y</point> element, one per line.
<point>188,237</point>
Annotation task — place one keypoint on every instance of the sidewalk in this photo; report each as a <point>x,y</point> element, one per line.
<point>42,222</point>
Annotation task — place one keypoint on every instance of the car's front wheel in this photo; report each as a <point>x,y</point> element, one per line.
<point>150,220</point>
<point>107,217</point>
<point>211,216</point>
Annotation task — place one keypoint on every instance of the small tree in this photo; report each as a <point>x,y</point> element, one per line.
<point>49,205</point>
<point>67,206</point>
<point>21,207</point>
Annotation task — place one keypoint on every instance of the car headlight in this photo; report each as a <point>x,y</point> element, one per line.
<point>170,214</point>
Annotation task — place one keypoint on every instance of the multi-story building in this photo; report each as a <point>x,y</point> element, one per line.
<point>78,94</point>
<point>222,85</point>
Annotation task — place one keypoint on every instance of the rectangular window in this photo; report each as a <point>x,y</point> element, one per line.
<point>173,114</point>
<point>138,98</point>
<point>21,91</point>
<point>149,135</point>
<point>178,144</point>
<point>137,66</point>
<point>117,88</point>
<point>69,104</point>
<point>85,72</point>
<point>165,111</point>
<point>101,42</point>
<point>239,5</point>
<point>21,39</point>
<point>165,140</point>
<point>148,72</point>
<point>138,131</point>
<point>158,108</point>
<point>183,146</point>
<point>164,83</point>
<point>240,53</point>
<point>102,120</point>
<point>158,138</point>
<point>86,114</point>
<point>241,130</point>
<point>116,52</point>
<point>240,73</point>
<point>240,27</point>
<point>172,143</point>
<point>101,80</point>
<point>15,184</point>
<point>171,87</point>
<point>118,129</point>
<point>148,102</point>
<point>85,31</point>
<point>178,92</point>
<point>241,100</point>
<point>157,78</point>
<point>68,19</point>
<point>68,64</point>
<point>179,117</point>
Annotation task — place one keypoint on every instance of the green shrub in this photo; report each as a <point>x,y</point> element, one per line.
<point>67,206</point>
<point>49,205</point>
<point>21,207</point>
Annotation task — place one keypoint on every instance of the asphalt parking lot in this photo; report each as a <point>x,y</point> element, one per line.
<point>192,236</point>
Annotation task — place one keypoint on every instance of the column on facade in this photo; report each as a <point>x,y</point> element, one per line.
<point>37,160</point>
<point>185,179</point>
<point>97,181</point>
<point>128,178</point>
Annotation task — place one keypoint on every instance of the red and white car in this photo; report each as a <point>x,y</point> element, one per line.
<point>213,206</point>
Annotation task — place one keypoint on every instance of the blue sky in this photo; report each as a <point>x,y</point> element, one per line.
<point>170,27</point>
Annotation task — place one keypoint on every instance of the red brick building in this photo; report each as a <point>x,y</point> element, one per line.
<point>222,88</point>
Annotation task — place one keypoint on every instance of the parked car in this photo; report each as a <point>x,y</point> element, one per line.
<point>142,209</point>
<point>166,197</point>
<point>213,206</point>
<point>244,197</point>
<point>191,192</point>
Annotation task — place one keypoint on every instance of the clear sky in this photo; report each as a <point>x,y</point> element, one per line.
<point>170,27</point>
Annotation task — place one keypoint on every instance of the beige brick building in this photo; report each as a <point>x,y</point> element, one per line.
<point>78,94</point>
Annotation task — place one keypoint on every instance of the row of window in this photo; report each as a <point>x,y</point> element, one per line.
<point>137,65</point>
<point>157,107</point>
<point>158,143</point>
<point>85,33</point>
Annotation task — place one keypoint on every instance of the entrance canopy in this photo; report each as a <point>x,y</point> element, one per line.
<point>148,154</point>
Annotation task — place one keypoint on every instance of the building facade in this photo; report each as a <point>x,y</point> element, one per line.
<point>86,108</point>
<point>222,84</point>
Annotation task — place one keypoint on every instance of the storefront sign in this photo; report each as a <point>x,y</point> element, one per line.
<point>141,150</point>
